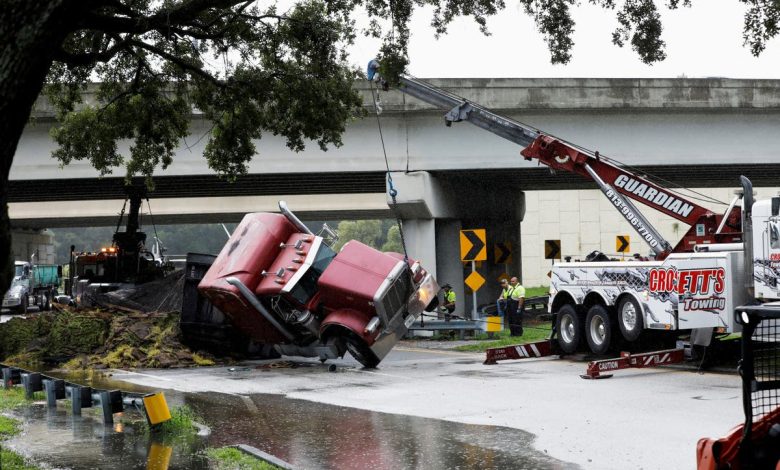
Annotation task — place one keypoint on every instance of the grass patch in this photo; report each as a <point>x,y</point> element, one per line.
<point>531,332</point>
<point>12,398</point>
<point>10,460</point>
<point>230,458</point>
<point>182,422</point>
<point>536,291</point>
<point>8,427</point>
<point>202,361</point>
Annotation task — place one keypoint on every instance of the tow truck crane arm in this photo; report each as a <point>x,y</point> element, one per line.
<point>614,181</point>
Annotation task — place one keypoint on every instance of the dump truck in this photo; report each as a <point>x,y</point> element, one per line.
<point>33,285</point>
<point>689,287</point>
<point>280,284</point>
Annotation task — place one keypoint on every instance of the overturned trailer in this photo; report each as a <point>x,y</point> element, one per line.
<point>281,284</point>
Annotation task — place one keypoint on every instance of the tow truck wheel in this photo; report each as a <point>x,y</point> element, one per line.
<point>360,351</point>
<point>629,319</point>
<point>598,329</point>
<point>569,327</point>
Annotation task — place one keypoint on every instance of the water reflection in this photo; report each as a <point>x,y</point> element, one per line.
<point>309,435</point>
<point>59,439</point>
<point>313,435</point>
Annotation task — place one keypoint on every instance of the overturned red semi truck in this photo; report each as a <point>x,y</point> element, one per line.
<point>281,284</point>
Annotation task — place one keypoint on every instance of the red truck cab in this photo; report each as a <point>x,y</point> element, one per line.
<point>281,284</point>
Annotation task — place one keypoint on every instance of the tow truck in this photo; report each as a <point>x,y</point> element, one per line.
<point>126,262</point>
<point>691,286</point>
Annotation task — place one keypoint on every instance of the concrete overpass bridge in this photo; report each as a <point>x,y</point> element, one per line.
<point>691,132</point>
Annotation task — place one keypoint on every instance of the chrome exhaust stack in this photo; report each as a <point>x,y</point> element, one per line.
<point>747,234</point>
<point>293,218</point>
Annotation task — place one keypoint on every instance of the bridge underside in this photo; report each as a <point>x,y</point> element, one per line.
<point>316,196</point>
<point>526,179</point>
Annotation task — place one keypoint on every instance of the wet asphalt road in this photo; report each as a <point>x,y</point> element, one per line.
<point>646,418</point>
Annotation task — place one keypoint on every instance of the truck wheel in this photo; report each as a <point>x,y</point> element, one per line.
<point>47,302</point>
<point>23,306</point>
<point>360,351</point>
<point>598,329</point>
<point>569,327</point>
<point>629,319</point>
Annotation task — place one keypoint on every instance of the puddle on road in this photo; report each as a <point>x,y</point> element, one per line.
<point>58,440</point>
<point>312,435</point>
<point>309,435</point>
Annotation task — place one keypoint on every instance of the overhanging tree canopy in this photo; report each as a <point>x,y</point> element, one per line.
<point>249,67</point>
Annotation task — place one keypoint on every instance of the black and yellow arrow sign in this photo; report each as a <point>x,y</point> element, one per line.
<point>473,245</point>
<point>552,249</point>
<point>502,253</point>
<point>623,243</point>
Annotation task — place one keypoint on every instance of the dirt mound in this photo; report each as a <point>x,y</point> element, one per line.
<point>163,295</point>
<point>98,338</point>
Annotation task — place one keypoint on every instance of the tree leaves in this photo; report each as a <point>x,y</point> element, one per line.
<point>252,69</point>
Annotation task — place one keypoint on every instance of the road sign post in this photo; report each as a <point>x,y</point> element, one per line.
<point>473,247</point>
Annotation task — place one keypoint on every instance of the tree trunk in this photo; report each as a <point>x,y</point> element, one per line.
<point>30,32</point>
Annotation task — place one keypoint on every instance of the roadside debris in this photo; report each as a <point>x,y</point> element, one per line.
<point>98,338</point>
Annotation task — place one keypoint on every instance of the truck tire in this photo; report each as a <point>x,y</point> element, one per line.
<point>629,319</point>
<point>359,349</point>
<point>568,324</point>
<point>46,301</point>
<point>23,306</point>
<point>598,329</point>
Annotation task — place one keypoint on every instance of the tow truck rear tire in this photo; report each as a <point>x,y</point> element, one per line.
<point>629,319</point>
<point>359,349</point>
<point>568,324</point>
<point>598,329</point>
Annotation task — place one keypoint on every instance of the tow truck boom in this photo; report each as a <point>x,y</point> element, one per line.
<point>614,181</point>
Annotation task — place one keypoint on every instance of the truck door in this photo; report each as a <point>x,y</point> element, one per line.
<point>702,287</point>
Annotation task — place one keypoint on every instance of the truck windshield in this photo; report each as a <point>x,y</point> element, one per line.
<point>307,285</point>
<point>18,270</point>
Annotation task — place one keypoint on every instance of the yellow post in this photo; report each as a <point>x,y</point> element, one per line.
<point>493,324</point>
<point>156,408</point>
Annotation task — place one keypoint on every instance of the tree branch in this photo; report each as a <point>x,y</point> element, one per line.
<point>178,61</point>
<point>71,58</point>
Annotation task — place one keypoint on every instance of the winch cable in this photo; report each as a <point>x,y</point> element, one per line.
<point>121,216</point>
<point>151,217</point>
<point>391,188</point>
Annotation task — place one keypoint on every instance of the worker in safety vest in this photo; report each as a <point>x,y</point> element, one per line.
<point>503,298</point>
<point>449,300</point>
<point>515,307</point>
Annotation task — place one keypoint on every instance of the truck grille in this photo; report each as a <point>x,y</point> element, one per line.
<point>397,295</point>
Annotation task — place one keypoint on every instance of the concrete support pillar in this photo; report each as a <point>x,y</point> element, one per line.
<point>434,210</point>
<point>420,236</point>
<point>25,242</point>
<point>448,264</point>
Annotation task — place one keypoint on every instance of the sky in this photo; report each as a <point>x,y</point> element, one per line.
<point>702,41</point>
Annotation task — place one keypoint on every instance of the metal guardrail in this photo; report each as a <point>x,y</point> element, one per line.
<point>448,325</point>
<point>153,405</point>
